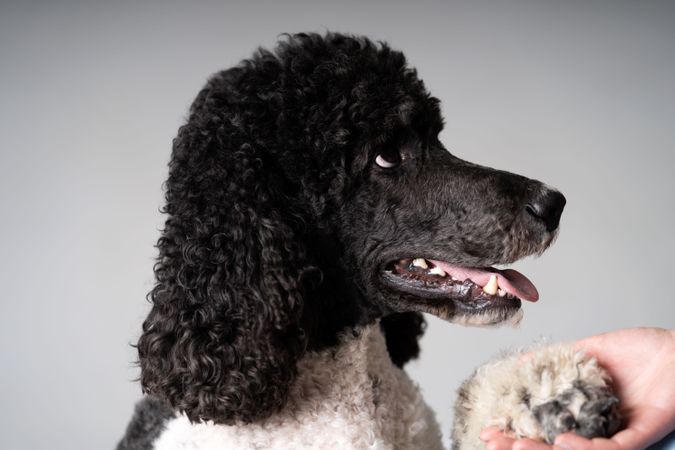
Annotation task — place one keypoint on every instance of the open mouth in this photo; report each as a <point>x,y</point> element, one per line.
<point>470,288</point>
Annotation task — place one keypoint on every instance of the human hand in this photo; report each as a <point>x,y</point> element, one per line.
<point>641,361</point>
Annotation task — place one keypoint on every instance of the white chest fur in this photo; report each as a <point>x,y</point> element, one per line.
<point>348,397</point>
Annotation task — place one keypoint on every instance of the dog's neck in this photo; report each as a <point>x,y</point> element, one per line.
<point>334,303</point>
<point>350,396</point>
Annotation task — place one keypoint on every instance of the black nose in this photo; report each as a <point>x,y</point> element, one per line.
<point>547,207</point>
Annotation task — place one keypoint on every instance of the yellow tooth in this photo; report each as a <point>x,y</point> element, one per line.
<point>492,287</point>
<point>437,271</point>
<point>420,262</point>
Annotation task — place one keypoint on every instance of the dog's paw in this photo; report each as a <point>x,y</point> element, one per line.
<point>587,410</point>
<point>554,390</point>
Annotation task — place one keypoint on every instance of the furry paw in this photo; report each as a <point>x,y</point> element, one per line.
<point>556,390</point>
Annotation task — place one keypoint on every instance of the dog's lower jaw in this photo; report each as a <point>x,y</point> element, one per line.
<point>348,397</point>
<point>510,317</point>
<point>454,311</point>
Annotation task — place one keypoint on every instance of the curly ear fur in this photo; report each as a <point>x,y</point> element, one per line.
<point>224,334</point>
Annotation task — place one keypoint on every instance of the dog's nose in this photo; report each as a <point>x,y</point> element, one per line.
<point>547,207</point>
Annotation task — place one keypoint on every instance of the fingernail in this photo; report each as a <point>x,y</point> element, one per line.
<point>562,446</point>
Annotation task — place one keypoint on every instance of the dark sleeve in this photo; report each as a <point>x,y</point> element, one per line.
<point>667,443</point>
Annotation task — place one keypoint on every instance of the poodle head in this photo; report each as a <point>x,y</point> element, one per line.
<point>308,193</point>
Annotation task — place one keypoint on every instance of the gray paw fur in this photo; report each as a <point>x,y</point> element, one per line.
<point>557,390</point>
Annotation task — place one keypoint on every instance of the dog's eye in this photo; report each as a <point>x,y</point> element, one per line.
<point>388,160</point>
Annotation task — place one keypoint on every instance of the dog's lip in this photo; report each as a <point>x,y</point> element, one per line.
<point>513,283</point>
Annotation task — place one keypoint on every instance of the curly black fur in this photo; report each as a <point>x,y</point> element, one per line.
<point>402,332</point>
<point>279,222</point>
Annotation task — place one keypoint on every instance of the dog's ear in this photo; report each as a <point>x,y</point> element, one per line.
<point>223,336</point>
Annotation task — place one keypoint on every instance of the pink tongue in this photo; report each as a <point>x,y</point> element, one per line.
<point>509,280</point>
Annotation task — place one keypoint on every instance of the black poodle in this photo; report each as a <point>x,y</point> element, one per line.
<point>312,216</point>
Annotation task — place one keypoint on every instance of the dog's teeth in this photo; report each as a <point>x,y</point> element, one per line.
<point>437,271</point>
<point>501,292</point>
<point>492,287</point>
<point>420,262</point>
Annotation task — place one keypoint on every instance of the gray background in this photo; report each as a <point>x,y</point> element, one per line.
<point>579,94</point>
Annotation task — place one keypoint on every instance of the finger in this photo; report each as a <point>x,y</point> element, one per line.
<point>530,444</point>
<point>500,443</point>
<point>634,437</point>
<point>490,433</point>
<point>571,441</point>
<point>645,428</point>
<point>631,438</point>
